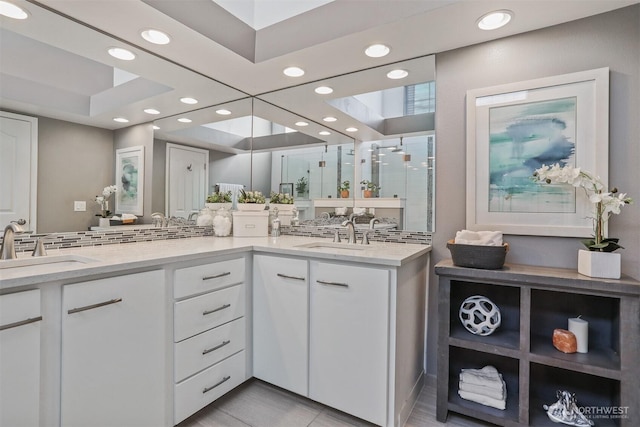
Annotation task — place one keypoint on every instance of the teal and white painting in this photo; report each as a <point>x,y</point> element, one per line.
<point>522,138</point>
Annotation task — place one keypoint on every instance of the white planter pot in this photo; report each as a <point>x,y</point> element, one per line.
<point>215,206</point>
<point>282,207</point>
<point>104,222</point>
<point>604,265</point>
<point>251,206</point>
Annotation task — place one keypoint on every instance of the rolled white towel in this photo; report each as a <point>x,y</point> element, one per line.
<point>487,238</point>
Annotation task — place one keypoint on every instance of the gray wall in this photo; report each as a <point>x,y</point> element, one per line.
<point>75,162</point>
<point>609,40</point>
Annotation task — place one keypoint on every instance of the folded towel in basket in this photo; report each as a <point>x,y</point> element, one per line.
<point>487,238</point>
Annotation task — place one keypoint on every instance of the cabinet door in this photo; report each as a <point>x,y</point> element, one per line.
<point>349,311</point>
<point>113,352</point>
<point>280,322</point>
<point>20,359</point>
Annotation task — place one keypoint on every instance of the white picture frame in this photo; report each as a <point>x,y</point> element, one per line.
<point>513,129</point>
<point>130,180</point>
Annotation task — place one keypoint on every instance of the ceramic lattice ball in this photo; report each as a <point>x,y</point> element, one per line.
<point>479,315</point>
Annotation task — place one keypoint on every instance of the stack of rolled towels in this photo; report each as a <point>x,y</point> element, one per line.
<point>484,386</point>
<point>486,238</point>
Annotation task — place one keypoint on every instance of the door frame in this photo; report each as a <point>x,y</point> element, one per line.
<point>33,173</point>
<point>168,162</point>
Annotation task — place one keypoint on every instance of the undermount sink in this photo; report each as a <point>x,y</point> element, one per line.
<point>332,246</point>
<point>58,260</point>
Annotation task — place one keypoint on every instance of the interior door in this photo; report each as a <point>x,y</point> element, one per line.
<point>187,179</point>
<point>18,161</point>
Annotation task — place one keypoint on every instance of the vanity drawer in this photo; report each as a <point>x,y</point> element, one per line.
<point>207,311</point>
<point>208,348</point>
<point>208,277</point>
<point>198,391</point>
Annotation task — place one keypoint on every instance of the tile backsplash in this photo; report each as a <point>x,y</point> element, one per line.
<point>27,242</point>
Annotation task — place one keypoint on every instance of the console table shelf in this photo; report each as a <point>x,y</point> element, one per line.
<point>534,301</point>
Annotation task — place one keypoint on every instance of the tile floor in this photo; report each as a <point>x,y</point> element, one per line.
<point>258,404</point>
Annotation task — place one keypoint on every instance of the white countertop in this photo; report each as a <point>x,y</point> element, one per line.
<point>112,258</point>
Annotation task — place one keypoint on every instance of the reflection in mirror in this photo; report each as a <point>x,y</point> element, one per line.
<point>400,174</point>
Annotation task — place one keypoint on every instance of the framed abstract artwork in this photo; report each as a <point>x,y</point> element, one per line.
<point>514,129</point>
<point>130,180</point>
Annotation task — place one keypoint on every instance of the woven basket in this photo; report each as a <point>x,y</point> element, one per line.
<point>478,256</point>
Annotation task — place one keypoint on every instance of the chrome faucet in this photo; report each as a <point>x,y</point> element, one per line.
<point>8,250</point>
<point>325,215</point>
<point>372,223</point>
<point>159,219</point>
<point>351,230</point>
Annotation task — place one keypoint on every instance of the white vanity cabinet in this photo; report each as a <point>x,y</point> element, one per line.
<point>349,340</point>
<point>209,333</point>
<point>346,334</point>
<point>281,321</point>
<point>113,351</point>
<point>20,320</point>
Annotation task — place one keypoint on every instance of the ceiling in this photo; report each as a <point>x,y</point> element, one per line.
<point>54,63</point>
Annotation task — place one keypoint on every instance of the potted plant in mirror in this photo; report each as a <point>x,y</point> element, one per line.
<point>251,201</point>
<point>599,260</point>
<point>344,189</point>
<point>103,201</point>
<point>219,199</point>
<point>370,188</point>
<point>283,201</point>
<point>301,186</point>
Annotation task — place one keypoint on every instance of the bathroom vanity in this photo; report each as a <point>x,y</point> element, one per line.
<point>161,329</point>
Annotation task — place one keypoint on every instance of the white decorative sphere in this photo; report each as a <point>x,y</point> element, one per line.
<point>479,315</point>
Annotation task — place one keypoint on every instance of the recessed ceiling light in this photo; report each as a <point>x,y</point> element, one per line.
<point>120,53</point>
<point>323,90</point>
<point>329,119</point>
<point>155,36</point>
<point>494,20</point>
<point>324,132</point>
<point>293,72</point>
<point>184,120</point>
<point>351,129</point>
<point>188,100</point>
<point>151,111</point>
<point>397,74</point>
<point>223,112</point>
<point>302,124</point>
<point>156,127</point>
<point>10,10</point>
<point>377,50</point>
<point>120,120</point>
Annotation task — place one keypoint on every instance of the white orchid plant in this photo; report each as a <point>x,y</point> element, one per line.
<point>605,203</point>
<point>103,200</point>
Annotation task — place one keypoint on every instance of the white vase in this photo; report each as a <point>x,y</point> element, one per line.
<point>604,265</point>
<point>104,222</point>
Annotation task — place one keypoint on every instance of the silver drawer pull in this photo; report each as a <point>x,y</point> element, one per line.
<point>92,306</point>
<point>227,273</point>
<point>290,277</point>
<point>222,307</point>
<point>20,323</point>
<point>322,282</point>
<point>209,350</point>
<point>224,380</point>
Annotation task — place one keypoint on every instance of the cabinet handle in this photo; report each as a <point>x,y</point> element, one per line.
<point>226,273</point>
<point>222,307</point>
<point>224,380</point>
<point>322,282</point>
<point>20,323</point>
<point>209,350</point>
<point>92,306</point>
<point>290,277</point>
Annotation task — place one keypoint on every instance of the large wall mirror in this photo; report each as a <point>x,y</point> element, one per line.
<point>289,136</point>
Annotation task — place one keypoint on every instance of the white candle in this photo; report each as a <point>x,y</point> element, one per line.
<point>580,329</point>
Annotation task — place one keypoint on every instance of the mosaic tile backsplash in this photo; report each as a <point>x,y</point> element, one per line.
<point>27,242</point>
